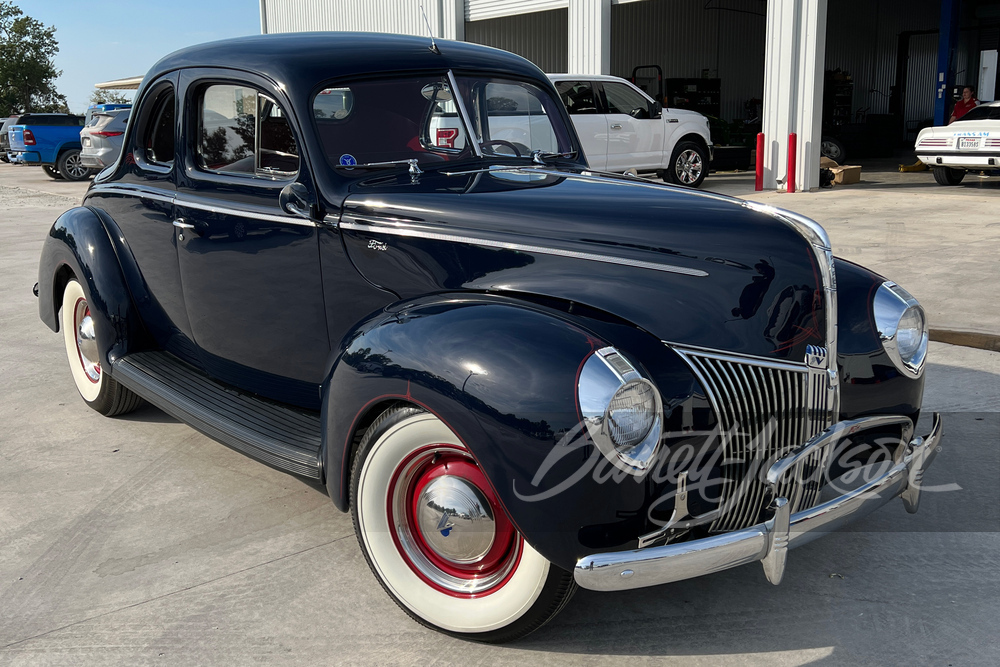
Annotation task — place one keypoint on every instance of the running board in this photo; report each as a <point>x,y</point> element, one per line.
<point>283,437</point>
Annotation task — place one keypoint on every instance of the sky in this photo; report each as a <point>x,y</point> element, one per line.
<point>102,41</point>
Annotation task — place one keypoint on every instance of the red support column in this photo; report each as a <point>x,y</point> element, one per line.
<point>759,181</point>
<point>790,183</point>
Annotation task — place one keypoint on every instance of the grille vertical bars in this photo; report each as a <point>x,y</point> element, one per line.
<point>765,409</point>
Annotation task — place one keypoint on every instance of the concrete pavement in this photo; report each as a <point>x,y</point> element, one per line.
<point>138,541</point>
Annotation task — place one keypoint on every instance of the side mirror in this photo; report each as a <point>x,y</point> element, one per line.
<point>294,199</point>
<point>657,110</point>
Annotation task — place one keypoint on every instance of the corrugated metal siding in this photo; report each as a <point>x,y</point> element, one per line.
<point>540,37</point>
<point>397,16</point>
<point>867,47</point>
<point>921,78</point>
<point>481,10</point>
<point>685,37</point>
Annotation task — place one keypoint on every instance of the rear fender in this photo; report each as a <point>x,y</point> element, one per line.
<point>80,244</point>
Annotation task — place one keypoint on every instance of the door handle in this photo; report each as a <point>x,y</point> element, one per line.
<point>181,225</point>
<point>616,126</point>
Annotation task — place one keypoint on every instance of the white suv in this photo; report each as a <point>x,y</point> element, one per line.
<point>623,129</point>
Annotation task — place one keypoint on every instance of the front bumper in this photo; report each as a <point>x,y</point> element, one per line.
<point>769,541</point>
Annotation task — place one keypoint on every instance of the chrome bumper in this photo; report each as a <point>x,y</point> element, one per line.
<point>769,541</point>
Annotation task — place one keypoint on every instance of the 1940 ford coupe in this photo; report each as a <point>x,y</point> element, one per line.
<point>384,264</point>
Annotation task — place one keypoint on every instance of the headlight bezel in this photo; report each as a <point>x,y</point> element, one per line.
<point>605,375</point>
<point>890,305</point>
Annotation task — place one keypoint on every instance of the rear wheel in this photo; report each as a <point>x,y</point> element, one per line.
<point>71,166</point>
<point>833,149</point>
<point>99,390</point>
<point>948,176</point>
<point>51,172</point>
<point>437,539</point>
<point>688,165</point>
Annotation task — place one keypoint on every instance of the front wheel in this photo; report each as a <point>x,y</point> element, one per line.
<point>51,172</point>
<point>437,539</point>
<point>71,166</point>
<point>99,390</point>
<point>688,165</point>
<point>948,176</point>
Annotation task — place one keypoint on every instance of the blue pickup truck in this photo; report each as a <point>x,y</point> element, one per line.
<point>51,140</point>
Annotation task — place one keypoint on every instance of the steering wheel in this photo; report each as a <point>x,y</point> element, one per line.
<point>508,144</point>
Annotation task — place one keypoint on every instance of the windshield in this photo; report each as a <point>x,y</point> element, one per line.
<point>418,117</point>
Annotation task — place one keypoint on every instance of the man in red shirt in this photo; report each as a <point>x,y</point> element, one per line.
<point>964,105</point>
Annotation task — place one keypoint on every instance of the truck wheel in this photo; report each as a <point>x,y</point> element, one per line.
<point>688,165</point>
<point>51,172</point>
<point>99,390</point>
<point>71,167</point>
<point>833,149</point>
<point>437,539</point>
<point>948,176</point>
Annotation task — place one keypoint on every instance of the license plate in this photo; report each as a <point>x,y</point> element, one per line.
<point>86,141</point>
<point>967,142</point>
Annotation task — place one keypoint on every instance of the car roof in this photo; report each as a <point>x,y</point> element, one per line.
<point>308,58</point>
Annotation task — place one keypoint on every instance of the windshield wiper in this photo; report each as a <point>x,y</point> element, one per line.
<point>414,167</point>
<point>539,157</point>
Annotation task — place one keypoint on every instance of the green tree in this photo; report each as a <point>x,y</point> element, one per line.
<point>100,96</point>
<point>27,70</point>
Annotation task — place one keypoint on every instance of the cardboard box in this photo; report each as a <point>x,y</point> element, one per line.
<point>847,175</point>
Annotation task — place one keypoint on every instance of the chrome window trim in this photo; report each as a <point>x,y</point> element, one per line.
<point>393,228</point>
<point>191,203</point>
<point>464,113</point>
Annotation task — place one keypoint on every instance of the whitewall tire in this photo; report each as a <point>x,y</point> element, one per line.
<point>436,538</point>
<point>83,352</point>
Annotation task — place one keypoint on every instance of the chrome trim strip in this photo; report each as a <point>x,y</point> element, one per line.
<point>470,136</point>
<point>766,362</point>
<point>767,541</point>
<point>396,230</point>
<point>133,191</point>
<point>190,203</point>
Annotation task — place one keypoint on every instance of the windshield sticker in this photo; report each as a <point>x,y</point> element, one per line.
<point>347,160</point>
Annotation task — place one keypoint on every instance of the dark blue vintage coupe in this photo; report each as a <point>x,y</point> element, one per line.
<point>384,264</point>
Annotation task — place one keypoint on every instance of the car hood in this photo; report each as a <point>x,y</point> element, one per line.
<point>687,266</point>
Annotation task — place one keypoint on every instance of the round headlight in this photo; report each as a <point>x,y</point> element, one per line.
<point>902,327</point>
<point>631,413</point>
<point>621,409</point>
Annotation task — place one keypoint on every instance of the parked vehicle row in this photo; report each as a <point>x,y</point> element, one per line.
<point>518,374</point>
<point>65,145</point>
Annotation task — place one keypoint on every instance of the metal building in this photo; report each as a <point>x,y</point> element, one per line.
<point>889,65</point>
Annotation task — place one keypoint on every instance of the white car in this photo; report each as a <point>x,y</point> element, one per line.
<point>969,144</point>
<point>623,129</point>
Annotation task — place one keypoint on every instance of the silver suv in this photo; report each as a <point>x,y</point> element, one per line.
<point>102,137</point>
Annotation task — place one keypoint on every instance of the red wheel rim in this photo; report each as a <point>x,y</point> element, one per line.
<point>426,545</point>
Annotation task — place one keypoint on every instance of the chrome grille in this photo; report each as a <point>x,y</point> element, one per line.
<point>765,409</point>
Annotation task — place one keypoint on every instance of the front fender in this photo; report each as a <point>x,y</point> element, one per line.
<point>502,374</point>
<point>79,244</point>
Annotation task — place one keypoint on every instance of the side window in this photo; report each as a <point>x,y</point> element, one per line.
<point>622,99</point>
<point>158,138</point>
<point>578,96</point>
<point>243,131</point>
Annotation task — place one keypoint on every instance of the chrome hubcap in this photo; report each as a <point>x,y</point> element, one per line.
<point>446,523</point>
<point>75,166</point>
<point>455,520</point>
<point>688,167</point>
<point>86,341</point>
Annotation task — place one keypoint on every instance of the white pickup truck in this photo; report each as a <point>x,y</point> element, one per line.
<point>621,128</point>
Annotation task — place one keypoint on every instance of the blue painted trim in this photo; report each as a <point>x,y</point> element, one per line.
<point>947,42</point>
